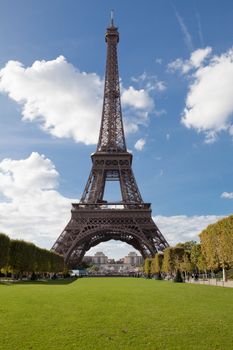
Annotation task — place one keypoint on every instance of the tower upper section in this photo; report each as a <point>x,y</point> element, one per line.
<point>111,137</point>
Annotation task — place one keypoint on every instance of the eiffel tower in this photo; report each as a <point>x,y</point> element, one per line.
<point>93,219</point>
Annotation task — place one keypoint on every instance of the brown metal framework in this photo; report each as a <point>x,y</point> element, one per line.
<point>94,220</point>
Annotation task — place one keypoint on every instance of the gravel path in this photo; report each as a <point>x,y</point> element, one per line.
<point>212,282</point>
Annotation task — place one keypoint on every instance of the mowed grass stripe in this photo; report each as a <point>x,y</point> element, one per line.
<point>115,313</point>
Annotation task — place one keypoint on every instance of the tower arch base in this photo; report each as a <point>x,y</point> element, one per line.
<point>91,225</point>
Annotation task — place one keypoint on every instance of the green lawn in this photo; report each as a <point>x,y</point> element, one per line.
<point>115,313</point>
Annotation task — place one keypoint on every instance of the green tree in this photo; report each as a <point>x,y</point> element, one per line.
<point>22,256</point>
<point>173,258</point>
<point>224,230</point>
<point>56,262</point>
<point>186,264</point>
<point>156,264</point>
<point>197,259</point>
<point>147,266</point>
<point>4,249</point>
<point>42,264</point>
<point>217,244</point>
<point>168,261</point>
<point>195,254</point>
<point>201,264</point>
<point>187,246</point>
<point>25,257</point>
<point>209,243</point>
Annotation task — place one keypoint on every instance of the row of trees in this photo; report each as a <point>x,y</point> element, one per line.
<point>214,252</point>
<point>22,257</point>
<point>217,245</point>
<point>184,257</point>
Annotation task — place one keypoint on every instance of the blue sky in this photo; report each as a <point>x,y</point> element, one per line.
<point>176,71</point>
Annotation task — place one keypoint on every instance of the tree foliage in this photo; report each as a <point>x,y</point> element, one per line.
<point>4,249</point>
<point>25,257</point>
<point>197,258</point>
<point>186,264</point>
<point>156,264</point>
<point>187,246</point>
<point>173,259</point>
<point>147,266</point>
<point>21,257</point>
<point>217,244</point>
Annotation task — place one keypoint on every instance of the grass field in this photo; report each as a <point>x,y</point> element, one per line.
<point>115,313</point>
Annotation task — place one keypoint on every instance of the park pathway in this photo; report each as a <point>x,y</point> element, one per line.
<point>212,282</point>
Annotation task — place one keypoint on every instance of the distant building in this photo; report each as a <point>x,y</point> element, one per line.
<point>133,259</point>
<point>100,258</point>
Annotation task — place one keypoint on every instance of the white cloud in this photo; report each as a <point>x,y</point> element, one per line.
<point>158,60</point>
<point>141,78</point>
<point>182,228</point>
<point>67,102</point>
<point>131,126</point>
<point>196,59</point>
<point>35,172</point>
<point>139,99</point>
<point>160,112</point>
<point>210,137</point>
<point>31,208</point>
<point>64,100</point>
<point>149,82</point>
<point>198,56</point>
<point>227,195</point>
<point>139,104</point>
<point>139,145</point>
<point>231,130</point>
<point>177,64</point>
<point>168,137</point>
<point>209,103</point>
<point>161,86</point>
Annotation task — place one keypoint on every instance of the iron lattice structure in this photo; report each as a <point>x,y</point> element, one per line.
<point>94,220</point>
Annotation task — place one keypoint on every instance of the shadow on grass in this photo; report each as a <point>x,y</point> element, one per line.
<point>41,282</point>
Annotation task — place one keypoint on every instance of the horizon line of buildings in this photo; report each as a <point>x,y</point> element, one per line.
<point>100,258</point>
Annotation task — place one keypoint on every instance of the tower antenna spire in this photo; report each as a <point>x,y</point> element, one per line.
<point>112,18</point>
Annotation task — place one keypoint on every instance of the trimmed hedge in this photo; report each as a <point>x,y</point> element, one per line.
<point>4,249</point>
<point>25,257</point>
